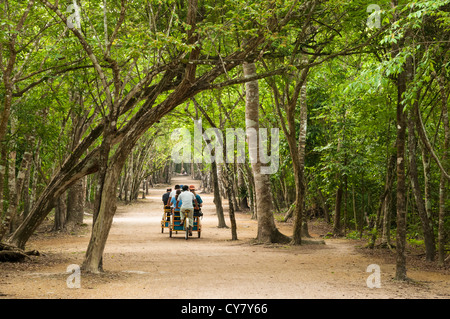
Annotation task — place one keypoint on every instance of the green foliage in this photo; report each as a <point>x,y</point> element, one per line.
<point>351,97</point>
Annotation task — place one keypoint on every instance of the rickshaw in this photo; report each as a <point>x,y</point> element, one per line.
<point>177,225</point>
<point>165,222</point>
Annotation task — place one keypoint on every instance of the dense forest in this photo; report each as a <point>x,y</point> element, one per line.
<point>93,91</point>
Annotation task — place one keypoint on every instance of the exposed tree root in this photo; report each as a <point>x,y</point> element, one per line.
<point>9,253</point>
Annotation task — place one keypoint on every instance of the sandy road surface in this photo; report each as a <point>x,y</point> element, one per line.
<point>142,262</point>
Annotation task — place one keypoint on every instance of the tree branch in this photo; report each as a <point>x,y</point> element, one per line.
<point>426,141</point>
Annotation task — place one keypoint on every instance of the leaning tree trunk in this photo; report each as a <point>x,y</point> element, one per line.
<point>46,201</point>
<point>103,220</point>
<point>106,204</point>
<point>267,231</point>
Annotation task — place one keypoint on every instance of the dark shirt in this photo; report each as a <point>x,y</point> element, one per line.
<point>165,197</point>
<point>199,201</point>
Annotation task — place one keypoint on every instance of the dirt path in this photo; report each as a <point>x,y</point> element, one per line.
<point>142,262</point>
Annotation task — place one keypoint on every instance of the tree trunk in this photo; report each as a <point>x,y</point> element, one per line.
<point>323,202</point>
<point>76,204</point>
<point>217,197</point>
<point>337,212</point>
<point>110,170</point>
<point>296,150</point>
<point>300,188</point>
<point>229,192</point>
<point>401,177</point>
<point>355,215</point>
<point>384,200</point>
<point>387,215</point>
<point>251,190</point>
<point>60,213</point>
<point>47,200</point>
<point>102,221</point>
<point>267,231</point>
<point>26,197</point>
<point>242,188</point>
<point>11,209</point>
<point>16,184</point>
<point>427,226</point>
<point>443,184</point>
<point>426,160</point>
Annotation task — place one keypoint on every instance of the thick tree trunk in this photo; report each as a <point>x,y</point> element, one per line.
<point>76,201</point>
<point>427,226</point>
<point>267,231</point>
<point>296,150</point>
<point>402,81</point>
<point>103,220</point>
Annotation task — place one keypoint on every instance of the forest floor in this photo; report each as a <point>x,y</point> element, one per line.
<point>142,262</point>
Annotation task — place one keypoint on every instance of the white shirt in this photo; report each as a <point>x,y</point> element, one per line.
<point>187,199</point>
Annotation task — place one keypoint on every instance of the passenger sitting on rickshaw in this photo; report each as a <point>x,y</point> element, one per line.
<point>165,200</point>
<point>165,196</point>
<point>173,193</point>
<point>188,201</point>
<point>198,210</point>
<point>175,202</point>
